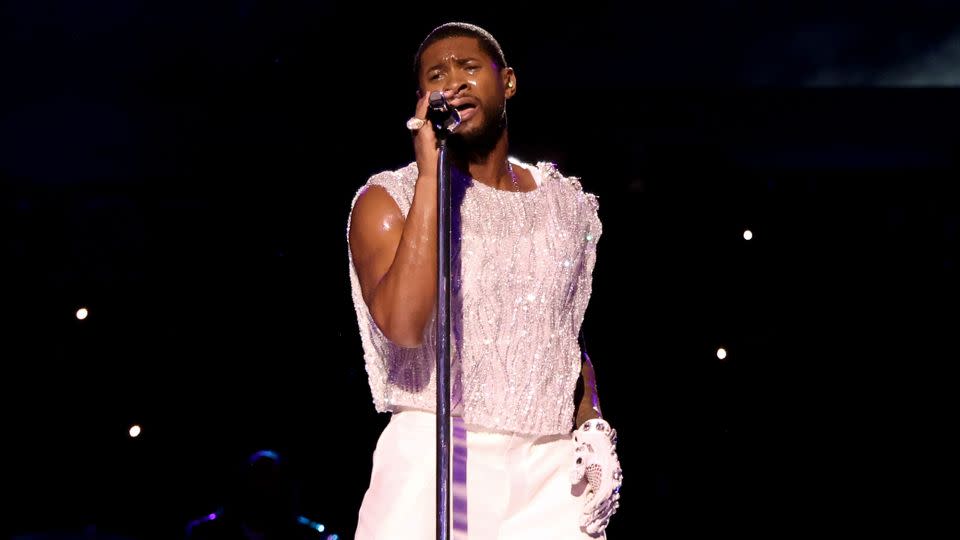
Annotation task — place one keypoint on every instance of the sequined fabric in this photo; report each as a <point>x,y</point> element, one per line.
<point>521,280</point>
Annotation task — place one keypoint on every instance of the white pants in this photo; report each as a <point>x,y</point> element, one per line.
<point>516,486</point>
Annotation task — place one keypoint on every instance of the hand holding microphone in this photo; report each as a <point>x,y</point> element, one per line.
<point>444,117</point>
<point>432,108</point>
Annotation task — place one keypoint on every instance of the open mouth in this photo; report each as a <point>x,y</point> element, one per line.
<point>465,110</point>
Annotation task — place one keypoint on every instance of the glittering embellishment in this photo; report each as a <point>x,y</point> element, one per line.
<point>521,288</point>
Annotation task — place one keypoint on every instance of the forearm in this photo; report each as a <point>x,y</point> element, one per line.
<point>405,297</point>
<point>589,404</point>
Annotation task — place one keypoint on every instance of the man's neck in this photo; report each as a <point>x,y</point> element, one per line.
<point>490,168</point>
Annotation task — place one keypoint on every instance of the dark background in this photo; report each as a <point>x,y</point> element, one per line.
<point>185,169</point>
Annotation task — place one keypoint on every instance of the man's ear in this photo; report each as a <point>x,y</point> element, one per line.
<point>509,82</point>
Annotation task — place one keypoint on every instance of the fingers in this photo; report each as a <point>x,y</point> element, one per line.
<point>422,104</point>
<point>595,520</point>
<point>425,141</point>
<point>424,133</point>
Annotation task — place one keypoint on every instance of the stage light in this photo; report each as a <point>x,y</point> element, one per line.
<point>747,234</point>
<point>721,353</point>
<point>82,313</point>
<point>310,523</point>
<point>134,431</point>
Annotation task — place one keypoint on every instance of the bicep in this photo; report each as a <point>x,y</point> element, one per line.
<point>376,226</point>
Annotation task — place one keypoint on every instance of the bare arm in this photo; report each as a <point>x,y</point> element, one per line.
<point>396,258</point>
<point>588,402</point>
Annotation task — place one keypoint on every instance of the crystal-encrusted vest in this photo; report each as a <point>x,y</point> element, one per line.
<point>521,280</point>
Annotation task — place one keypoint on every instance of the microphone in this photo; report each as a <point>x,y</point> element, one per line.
<point>444,118</point>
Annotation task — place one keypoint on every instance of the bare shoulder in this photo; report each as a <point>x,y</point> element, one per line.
<point>374,215</point>
<point>376,225</point>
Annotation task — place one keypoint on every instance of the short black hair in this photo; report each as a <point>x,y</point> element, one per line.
<point>460,29</point>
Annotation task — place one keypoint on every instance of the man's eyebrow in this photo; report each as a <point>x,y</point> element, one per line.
<point>459,61</point>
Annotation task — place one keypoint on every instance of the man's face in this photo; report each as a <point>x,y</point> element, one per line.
<point>478,84</point>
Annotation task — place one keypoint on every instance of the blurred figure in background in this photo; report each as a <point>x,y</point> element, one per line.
<point>263,505</point>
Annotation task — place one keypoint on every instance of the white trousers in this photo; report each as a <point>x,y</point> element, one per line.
<point>515,486</point>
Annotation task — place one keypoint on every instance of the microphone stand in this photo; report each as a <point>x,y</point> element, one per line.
<point>444,428</point>
<point>444,236</point>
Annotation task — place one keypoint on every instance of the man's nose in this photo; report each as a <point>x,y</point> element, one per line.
<point>455,85</point>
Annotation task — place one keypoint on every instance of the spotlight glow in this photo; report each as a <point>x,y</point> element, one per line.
<point>721,353</point>
<point>748,234</point>
<point>134,431</point>
<point>82,313</point>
